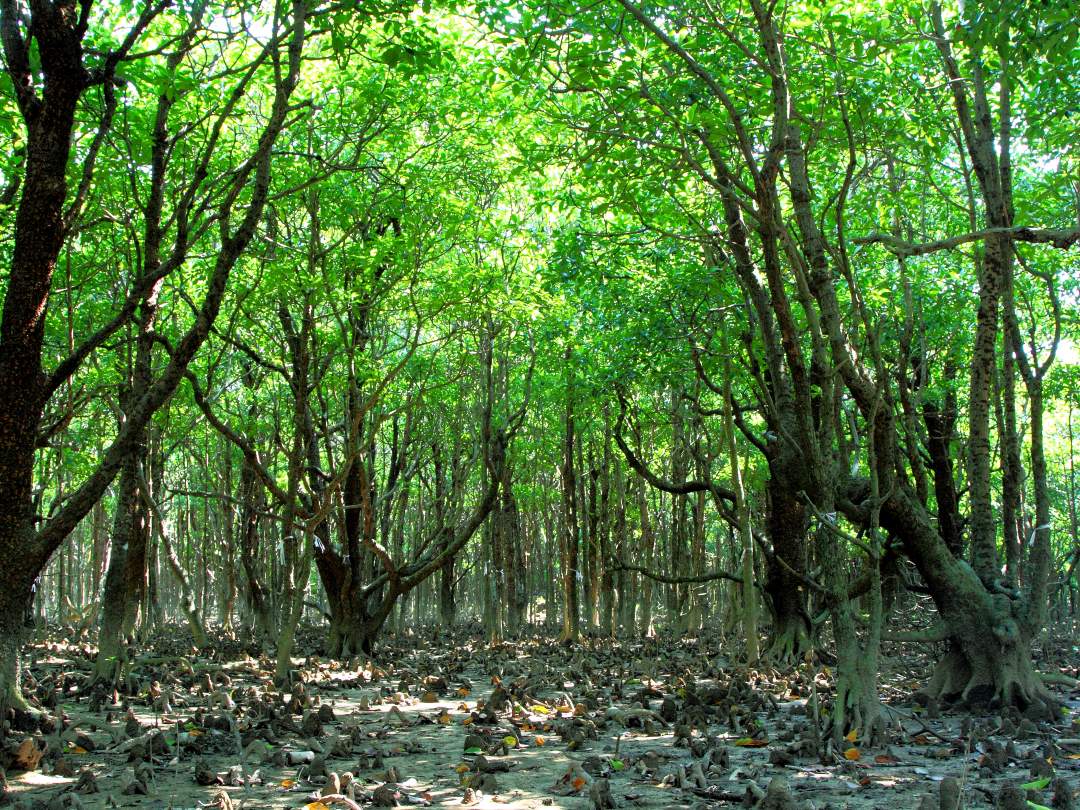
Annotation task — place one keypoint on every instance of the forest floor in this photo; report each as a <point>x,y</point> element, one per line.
<point>456,722</point>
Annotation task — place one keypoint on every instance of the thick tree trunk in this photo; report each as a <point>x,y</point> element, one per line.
<point>788,526</point>
<point>989,661</point>
<point>124,579</point>
<point>16,595</point>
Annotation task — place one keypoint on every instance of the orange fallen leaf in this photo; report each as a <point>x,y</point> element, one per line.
<point>852,735</point>
<point>578,783</point>
<point>288,783</point>
<point>539,740</point>
<point>886,759</point>
<point>852,754</point>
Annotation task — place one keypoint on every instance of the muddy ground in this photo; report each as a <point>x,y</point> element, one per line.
<point>455,722</point>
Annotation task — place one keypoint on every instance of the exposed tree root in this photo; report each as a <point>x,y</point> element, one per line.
<point>1059,678</point>
<point>789,643</point>
<point>857,709</point>
<point>1005,680</point>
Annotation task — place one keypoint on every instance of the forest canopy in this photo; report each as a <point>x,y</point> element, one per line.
<point>754,321</point>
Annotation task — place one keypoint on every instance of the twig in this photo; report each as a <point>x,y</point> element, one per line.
<point>337,797</point>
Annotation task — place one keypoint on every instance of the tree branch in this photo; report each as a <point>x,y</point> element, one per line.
<point>1062,239</point>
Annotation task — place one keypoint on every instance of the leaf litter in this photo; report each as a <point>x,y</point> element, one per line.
<point>440,721</point>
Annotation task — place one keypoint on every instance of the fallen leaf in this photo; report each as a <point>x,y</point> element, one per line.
<point>852,754</point>
<point>1036,784</point>
<point>750,742</point>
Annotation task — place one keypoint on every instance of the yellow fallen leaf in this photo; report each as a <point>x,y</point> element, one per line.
<point>316,806</point>
<point>852,754</point>
<point>750,742</point>
<point>538,709</point>
<point>852,735</point>
<point>288,783</point>
<point>462,768</point>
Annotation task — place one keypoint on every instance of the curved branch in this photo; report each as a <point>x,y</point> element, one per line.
<point>638,466</point>
<point>1061,238</point>
<point>712,576</point>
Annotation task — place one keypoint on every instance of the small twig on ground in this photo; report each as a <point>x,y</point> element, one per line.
<point>337,797</point>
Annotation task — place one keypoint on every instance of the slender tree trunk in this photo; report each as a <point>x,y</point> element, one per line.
<point>648,543</point>
<point>569,535</point>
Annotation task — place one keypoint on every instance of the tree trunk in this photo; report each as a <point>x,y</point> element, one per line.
<point>788,526</point>
<point>569,535</point>
<point>125,578</point>
<point>648,543</point>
